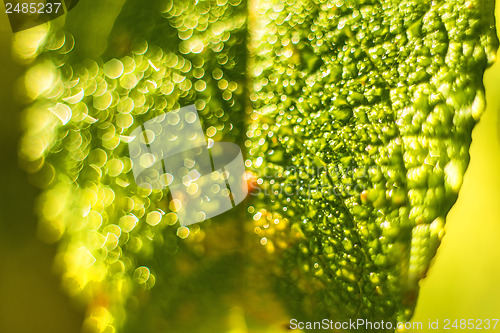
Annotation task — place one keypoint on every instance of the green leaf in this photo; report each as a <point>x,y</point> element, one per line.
<point>381,131</point>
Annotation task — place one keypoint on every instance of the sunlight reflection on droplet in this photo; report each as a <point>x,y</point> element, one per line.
<point>153,218</point>
<point>113,68</point>
<point>191,117</point>
<point>147,160</point>
<point>39,79</point>
<point>63,112</point>
<point>183,232</point>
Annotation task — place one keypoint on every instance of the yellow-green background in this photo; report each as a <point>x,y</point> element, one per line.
<point>463,283</point>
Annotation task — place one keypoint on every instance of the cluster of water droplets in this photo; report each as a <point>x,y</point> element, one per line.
<point>77,128</point>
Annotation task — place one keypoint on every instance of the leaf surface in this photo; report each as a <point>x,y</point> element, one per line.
<point>361,134</point>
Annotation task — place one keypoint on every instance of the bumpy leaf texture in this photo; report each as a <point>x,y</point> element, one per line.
<point>360,136</point>
<point>360,118</point>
